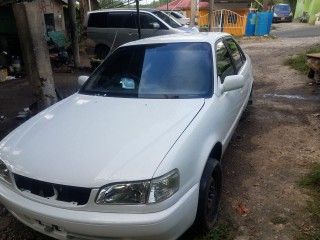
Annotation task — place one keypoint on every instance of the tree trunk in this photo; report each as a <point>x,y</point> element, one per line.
<point>73,32</point>
<point>31,31</point>
<point>265,5</point>
<point>84,8</point>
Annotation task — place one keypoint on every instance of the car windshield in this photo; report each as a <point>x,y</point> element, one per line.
<point>176,15</point>
<point>171,22</point>
<point>282,8</point>
<point>172,70</point>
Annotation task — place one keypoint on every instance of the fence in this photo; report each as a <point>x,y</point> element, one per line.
<point>224,21</point>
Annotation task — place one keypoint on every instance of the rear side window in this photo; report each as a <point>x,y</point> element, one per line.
<point>112,20</point>
<point>121,20</point>
<point>236,54</point>
<point>98,20</point>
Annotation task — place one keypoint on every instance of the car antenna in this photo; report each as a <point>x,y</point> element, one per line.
<point>115,37</point>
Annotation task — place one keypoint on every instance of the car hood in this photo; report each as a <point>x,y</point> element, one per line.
<point>90,141</point>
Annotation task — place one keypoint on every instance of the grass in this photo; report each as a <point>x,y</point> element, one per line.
<point>222,231</point>
<point>298,62</point>
<point>279,220</point>
<point>312,182</point>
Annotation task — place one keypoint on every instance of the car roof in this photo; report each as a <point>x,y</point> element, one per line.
<point>209,37</point>
<point>124,10</point>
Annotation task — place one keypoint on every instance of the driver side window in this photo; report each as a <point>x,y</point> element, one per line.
<point>224,62</point>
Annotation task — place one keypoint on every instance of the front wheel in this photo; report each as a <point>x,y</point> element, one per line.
<point>209,195</point>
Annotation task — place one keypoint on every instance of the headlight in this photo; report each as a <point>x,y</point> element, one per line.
<point>275,15</point>
<point>4,172</point>
<point>140,192</point>
<point>291,14</point>
<point>164,187</point>
<point>124,193</point>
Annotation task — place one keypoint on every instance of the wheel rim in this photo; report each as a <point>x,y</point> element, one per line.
<point>212,197</point>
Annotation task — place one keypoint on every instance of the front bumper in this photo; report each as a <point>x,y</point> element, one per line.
<point>282,19</point>
<point>74,224</point>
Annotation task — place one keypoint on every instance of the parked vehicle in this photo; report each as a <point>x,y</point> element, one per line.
<point>179,17</point>
<point>108,29</point>
<point>282,13</point>
<point>136,153</point>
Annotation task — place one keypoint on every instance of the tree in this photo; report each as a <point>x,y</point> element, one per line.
<point>110,4</point>
<point>293,4</point>
<point>265,5</point>
<point>74,32</point>
<point>35,52</point>
<point>84,7</point>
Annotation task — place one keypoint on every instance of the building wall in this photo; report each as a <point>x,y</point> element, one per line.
<point>9,40</point>
<point>53,7</point>
<point>310,6</point>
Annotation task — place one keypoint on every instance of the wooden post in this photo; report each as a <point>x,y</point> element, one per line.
<point>73,32</point>
<point>31,31</point>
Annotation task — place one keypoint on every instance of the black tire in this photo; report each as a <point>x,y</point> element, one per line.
<point>250,101</point>
<point>209,195</point>
<point>102,51</point>
<point>311,73</point>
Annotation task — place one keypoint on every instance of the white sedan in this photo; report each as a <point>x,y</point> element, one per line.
<point>179,17</point>
<point>136,152</point>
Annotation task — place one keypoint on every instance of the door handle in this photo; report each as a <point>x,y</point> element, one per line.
<point>132,33</point>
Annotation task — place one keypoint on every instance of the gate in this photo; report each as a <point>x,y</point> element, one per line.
<point>224,21</point>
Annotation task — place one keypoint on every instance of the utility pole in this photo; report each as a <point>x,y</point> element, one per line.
<point>31,31</point>
<point>138,19</point>
<point>73,32</point>
<point>193,8</point>
<point>211,2</point>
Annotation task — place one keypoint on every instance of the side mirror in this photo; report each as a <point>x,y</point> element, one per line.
<point>233,82</point>
<point>82,80</point>
<point>155,25</point>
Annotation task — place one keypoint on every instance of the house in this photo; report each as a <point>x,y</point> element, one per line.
<point>310,7</point>
<point>184,6</point>
<point>228,16</point>
<point>53,14</point>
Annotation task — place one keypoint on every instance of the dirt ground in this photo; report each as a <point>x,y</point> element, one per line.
<point>274,145</point>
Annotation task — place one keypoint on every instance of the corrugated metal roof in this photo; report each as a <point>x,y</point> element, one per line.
<point>182,4</point>
<point>185,4</point>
